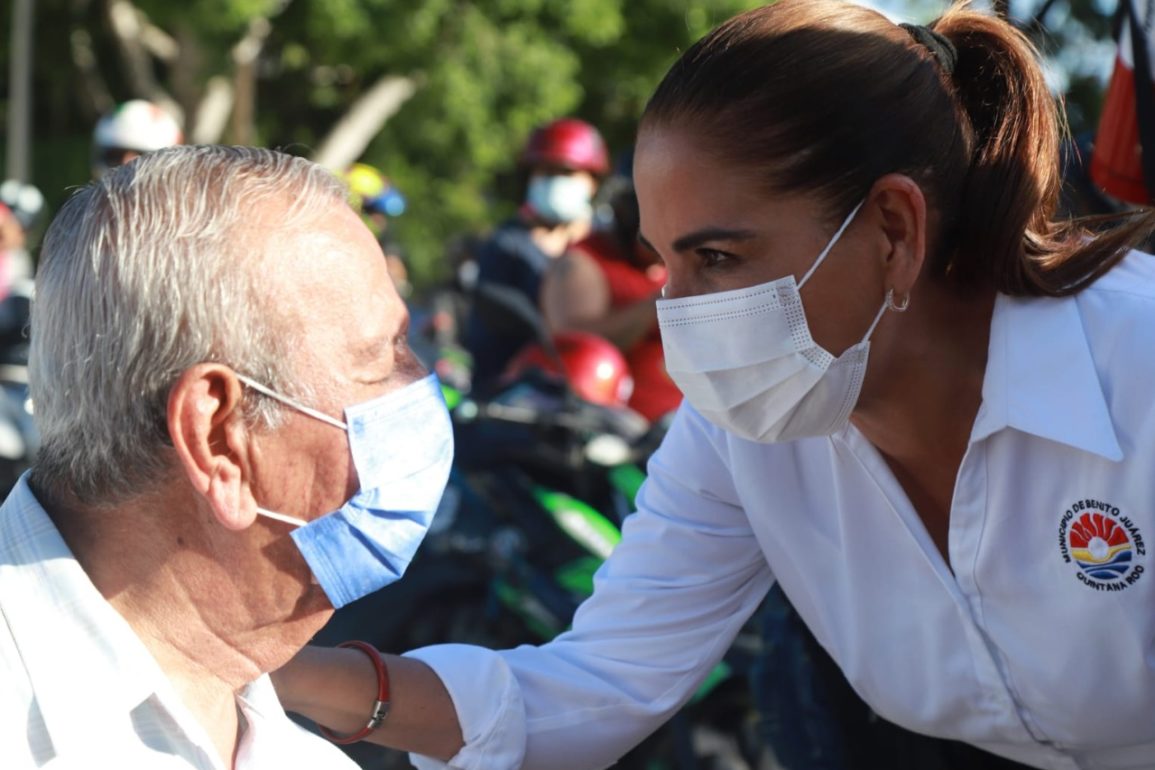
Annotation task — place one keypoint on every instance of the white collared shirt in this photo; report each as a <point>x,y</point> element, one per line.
<point>1037,642</point>
<point>78,688</point>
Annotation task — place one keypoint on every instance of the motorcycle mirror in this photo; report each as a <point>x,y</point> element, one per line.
<point>608,450</point>
<point>507,310</point>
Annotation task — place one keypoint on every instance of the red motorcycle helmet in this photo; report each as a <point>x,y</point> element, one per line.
<point>567,143</point>
<point>595,369</point>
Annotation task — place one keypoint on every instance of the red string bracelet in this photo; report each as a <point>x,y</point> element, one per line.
<point>380,706</point>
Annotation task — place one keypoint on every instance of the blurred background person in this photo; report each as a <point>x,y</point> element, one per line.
<point>21,211</point>
<point>563,161</point>
<point>130,130</point>
<point>21,206</point>
<point>379,200</point>
<point>606,284</point>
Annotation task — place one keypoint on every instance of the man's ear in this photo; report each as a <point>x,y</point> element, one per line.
<point>901,207</point>
<point>208,431</point>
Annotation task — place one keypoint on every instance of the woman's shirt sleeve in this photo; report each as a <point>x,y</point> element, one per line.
<point>666,606</point>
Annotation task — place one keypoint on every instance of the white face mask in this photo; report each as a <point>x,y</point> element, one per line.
<point>746,361</point>
<point>561,199</point>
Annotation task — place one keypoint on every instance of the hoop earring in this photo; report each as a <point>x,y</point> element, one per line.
<point>890,305</point>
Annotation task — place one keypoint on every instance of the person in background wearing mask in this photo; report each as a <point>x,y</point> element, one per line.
<point>379,200</point>
<point>564,161</point>
<point>21,206</point>
<point>128,131</point>
<point>607,284</point>
<point>236,440</point>
<point>915,399</point>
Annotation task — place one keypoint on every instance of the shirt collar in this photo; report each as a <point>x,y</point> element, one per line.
<point>77,649</point>
<point>1041,378</point>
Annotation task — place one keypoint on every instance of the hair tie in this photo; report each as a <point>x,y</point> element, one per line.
<point>942,49</point>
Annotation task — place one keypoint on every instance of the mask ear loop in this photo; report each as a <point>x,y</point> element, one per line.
<point>281,517</point>
<point>838,234</point>
<point>292,520</point>
<point>290,402</point>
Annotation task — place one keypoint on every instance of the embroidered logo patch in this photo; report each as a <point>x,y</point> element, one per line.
<point>1103,543</point>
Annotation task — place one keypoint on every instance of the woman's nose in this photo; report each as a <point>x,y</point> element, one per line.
<point>676,287</point>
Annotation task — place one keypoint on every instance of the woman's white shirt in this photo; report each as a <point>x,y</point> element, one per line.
<point>1036,642</point>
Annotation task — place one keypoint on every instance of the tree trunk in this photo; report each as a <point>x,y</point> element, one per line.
<point>17,164</point>
<point>212,113</point>
<point>129,28</point>
<point>245,55</point>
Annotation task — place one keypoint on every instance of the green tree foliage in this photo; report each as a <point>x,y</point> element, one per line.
<point>486,72</point>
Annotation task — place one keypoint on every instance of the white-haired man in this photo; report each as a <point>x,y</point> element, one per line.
<point>236,439</point>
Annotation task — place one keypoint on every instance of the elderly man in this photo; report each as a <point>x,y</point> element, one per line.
<point>236,439</point>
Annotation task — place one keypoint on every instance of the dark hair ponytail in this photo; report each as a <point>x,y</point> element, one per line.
<point>1004,231</point>
<point>826,97</point>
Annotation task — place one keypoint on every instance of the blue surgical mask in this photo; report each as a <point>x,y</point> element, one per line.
<point>562,198</point>
<point>402,447</point>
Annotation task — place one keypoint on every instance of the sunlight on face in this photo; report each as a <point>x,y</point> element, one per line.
<point>713,224</point>
<point>718,229</point>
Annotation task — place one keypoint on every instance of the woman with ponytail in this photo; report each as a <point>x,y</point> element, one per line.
<point>915,400</point>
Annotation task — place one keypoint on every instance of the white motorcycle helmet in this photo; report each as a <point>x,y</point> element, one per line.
<point>132,129</point>
<point>25,201</point>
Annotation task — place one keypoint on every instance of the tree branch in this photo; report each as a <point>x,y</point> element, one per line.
<point>372,110</point>
<point>212,113</point>
<point>128,28</point>
<point>94,89</point>
<point>245,55</point>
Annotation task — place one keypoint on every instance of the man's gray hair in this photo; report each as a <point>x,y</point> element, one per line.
<point>153,269</point>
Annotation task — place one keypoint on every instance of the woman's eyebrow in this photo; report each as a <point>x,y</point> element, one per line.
<point>697,238</point>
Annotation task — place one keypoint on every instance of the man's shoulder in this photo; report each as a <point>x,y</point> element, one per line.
<point>27,538</point>
<point>23,736</point>
<point>27,534</point>
<point>276,740</point>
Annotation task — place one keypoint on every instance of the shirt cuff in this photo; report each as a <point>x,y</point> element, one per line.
<point>489,707</point>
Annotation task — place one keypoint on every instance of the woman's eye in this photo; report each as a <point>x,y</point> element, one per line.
<point>712,258</point>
